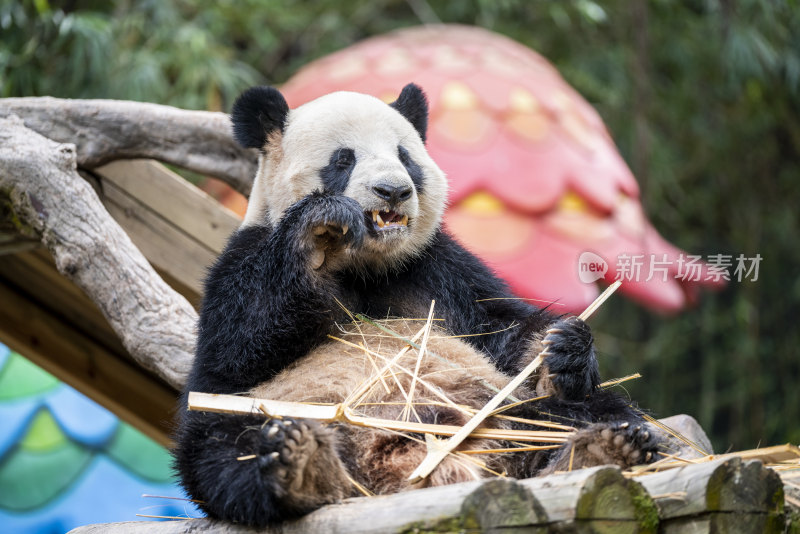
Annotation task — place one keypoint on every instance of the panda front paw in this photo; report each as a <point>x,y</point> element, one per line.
<point>332,223</point>
<point>570,364</point>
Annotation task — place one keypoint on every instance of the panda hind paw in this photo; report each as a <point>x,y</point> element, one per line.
<point>298,457</point>
<point>284,451</point>
<point>619,443</point>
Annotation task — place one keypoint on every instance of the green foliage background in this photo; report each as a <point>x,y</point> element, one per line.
<point>700,95</point>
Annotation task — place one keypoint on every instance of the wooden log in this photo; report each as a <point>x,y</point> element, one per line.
<point>791,489</point>
<point>720,496</point>
<point>686,427</point>
<point>108,130</point>
<point>589,500</point>
<point>597,499</point>
<point>497,505</point>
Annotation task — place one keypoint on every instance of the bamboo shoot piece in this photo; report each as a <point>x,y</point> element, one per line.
<point>233,404</point>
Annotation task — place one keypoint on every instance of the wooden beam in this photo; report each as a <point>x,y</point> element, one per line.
<point>180,229</point>
<point>177,201</point>
<point>34,275</point>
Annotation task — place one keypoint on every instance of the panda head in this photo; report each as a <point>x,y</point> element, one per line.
<point>349,144</point>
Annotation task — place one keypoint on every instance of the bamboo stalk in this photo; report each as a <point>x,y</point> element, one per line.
<point>233,404</point>
<point>437,453</point>
<point>409,407</point>
<point>210,402</point>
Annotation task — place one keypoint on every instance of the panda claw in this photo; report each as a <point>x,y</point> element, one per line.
<point>272,431</point>
<point>319,230</point>
<point>345,228</point>
<point>317,258</point>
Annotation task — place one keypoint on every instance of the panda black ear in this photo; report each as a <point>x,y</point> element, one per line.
<point>413,105</point>
<point>256,113</point>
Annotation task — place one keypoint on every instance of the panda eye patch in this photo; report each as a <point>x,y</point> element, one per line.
<point>413,169</point>
<point>345,157</point>
<point>336,174</point>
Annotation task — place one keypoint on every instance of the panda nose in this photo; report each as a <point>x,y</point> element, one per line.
<point>392,194</point>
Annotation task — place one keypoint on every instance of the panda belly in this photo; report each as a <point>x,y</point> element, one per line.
<point>451,372</point>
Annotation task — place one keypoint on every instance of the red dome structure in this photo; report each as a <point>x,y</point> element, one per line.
<point>535,177</point>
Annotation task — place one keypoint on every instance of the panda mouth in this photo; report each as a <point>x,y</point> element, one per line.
<point>384,221</point>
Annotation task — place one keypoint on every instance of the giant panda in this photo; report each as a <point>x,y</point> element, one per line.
<point>345,216</point>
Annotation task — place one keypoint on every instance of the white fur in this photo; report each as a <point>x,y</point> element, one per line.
<point>290,167</point>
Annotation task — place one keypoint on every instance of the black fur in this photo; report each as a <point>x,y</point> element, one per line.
<point>263,306</point>
<point>571,357</point>
<point>216,441</point>
<point>257,112</point>
<point>336,174</point>
<point>413,105</point>
<point>414,170</point>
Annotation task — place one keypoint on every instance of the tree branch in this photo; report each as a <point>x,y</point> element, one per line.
<point>39,183</point>
<point>107,130</point>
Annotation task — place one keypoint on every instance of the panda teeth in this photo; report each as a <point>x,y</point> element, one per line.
<point>380,223</point>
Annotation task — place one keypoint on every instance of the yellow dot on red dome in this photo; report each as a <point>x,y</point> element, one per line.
<point>533,127</point>
<point>351,66</point>
<point>484,224</point>
<point>458,96</point>
<point>572,202</point>
<point>464,129</point>
<point>448,59</point>
<point>523,101</point>
<point>482,203</point>
<point>526,117</point>
<point>395,61</point>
